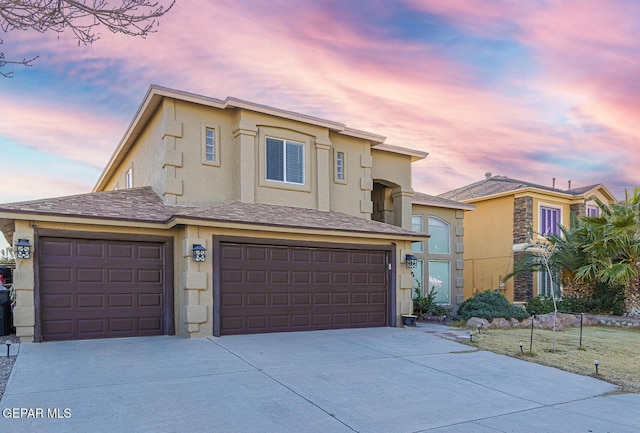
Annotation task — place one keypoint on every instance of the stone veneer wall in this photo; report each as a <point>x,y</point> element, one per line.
<point>579,209</point>
<point>522,226</point>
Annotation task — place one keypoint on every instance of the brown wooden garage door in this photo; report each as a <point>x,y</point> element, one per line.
<point>276,288</point>
<point>101,289</point>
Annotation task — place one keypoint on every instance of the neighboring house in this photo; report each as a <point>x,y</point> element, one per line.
<point>219,217</point>
<point>508,214</point>
<point>440,260</point>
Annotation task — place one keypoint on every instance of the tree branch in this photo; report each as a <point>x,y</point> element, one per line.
<point>135,18</point>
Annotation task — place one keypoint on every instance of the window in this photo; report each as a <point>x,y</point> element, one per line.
<point>546,284</point>
<point>440,281</point>
<point>439,234</point>
<point>210,144</point>
<point>285,161</point>
<point>340,166</point>
<point>593,211</point>
<point>129,178</point>
<point>417,225</point>
<point>549,220</point>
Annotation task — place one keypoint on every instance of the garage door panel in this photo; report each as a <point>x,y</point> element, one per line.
<point>62,300</point>
<point>232,300</point>
<point>279,277</point>
<point>305,288</point>
<point>120,251</point>
<point>149,300</point>
<point>90,300</point>
<point>63,275</point>
<point>150,252</point>
<point>101,289</point>
<point>120,276</point>
<point>89,249</point>
<point>150,276</point>
<point>91,326</point>
<point>91,275</point>
<point>256,300</point>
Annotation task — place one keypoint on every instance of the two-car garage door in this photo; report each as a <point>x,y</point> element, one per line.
<point>101,288</point>
<point>121,288</point>
<point>268,288</point>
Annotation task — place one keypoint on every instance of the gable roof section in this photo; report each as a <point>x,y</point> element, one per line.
<point>435,201</point>
<point>143,205</point>
<point>501,185</point>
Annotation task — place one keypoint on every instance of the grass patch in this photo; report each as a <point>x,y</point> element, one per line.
<point>615,348</point>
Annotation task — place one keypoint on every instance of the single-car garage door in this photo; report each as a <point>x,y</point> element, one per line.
<point>266,288</point>
<point>101,289</point>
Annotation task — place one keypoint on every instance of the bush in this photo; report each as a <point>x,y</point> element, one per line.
<point>426,305</point>
<point>490,305</point>
<point>539,305</point>
<point>544,305</point>
<point>605,299</point>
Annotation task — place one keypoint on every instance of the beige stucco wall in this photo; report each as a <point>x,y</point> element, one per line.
<point>488,246</point>
<point>168,155</point>
<point>455,219</point>
<point>393,170</point>
<point>144,159</point>
<point>192,282</point>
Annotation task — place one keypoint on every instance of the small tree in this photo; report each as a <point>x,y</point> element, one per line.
<point>7,256</point>
<point>82,17</point>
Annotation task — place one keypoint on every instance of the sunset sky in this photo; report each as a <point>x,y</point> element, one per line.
<point>526,89</point>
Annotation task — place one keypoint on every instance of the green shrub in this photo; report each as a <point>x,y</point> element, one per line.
<point>544,305</point>
<point>607,299</point>
<point>539,305</point>
<point>572,304</point>
<point>426,305</point>
<point>490,305</point>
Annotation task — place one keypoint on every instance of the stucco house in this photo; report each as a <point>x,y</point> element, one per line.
<point>508,214</point>
<point>218,217</point>
<point>440,260</point>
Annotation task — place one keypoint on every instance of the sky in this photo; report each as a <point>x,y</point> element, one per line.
<point>531,89</point>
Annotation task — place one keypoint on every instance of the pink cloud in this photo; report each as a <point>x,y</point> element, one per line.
<point>53,128</point>
<point>308,61</point>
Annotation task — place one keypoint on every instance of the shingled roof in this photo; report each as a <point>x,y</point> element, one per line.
<point>432,200</point>
<point>144,205</point>
<point>495,185</point>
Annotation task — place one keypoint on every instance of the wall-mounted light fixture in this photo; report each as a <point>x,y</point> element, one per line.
<point>23,249</point>
<point>411,261</point>
<point>199,254</point>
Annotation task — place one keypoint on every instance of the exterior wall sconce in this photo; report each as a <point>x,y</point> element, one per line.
<point>23,249</point>
<point>198,253</point>
<point>411,261</point>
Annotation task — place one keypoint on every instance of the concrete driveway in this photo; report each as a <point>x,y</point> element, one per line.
<point>364,380</point>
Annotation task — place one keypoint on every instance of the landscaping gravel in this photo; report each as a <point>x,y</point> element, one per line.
<point>6,364</point>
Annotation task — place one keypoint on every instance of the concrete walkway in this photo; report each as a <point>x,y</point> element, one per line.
<point>364,380</point>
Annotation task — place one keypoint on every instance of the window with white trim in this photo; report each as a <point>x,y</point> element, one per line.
<point>129,178</point>
<point>440,281</point>
<point>548,286</point>
<point>439,236</point>
<point>593,211</point>
<point>340,166</point>
<point>285,160</point>
<point>417,225</point>
<point>210,144</point>
<point>550,218</point>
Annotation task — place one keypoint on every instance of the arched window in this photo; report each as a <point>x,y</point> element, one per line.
<point>439,236</point>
